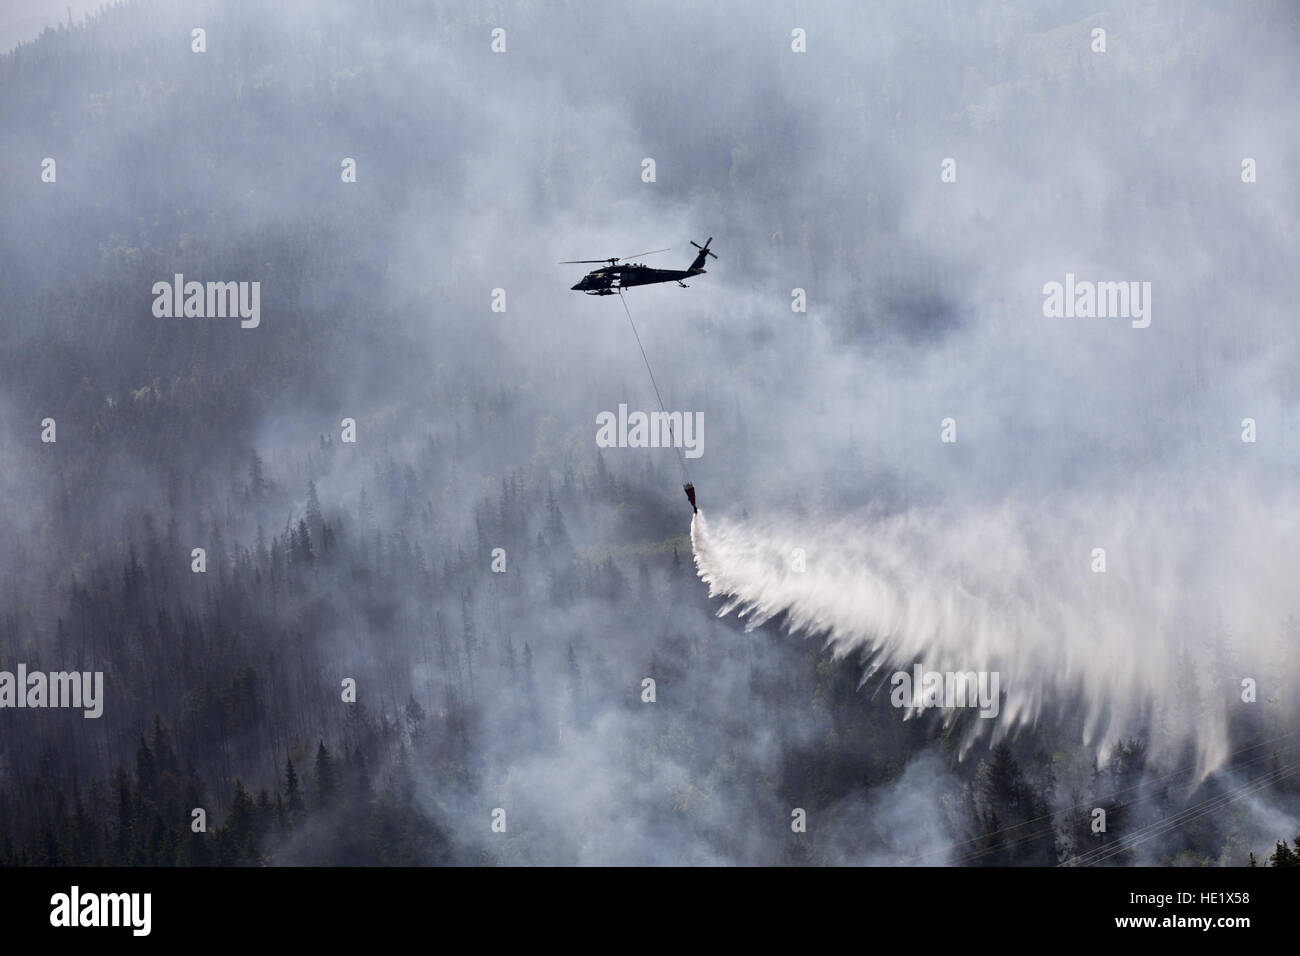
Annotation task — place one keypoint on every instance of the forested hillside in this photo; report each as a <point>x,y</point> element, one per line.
<point>493,586</point>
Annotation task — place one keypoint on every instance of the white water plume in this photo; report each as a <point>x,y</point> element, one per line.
<point>1197,595</point>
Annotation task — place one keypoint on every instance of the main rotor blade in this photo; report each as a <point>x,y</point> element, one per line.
<point>583,262</point>
<point>640,254</point>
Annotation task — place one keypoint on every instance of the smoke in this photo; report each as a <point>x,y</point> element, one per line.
<point>815,171</point>
<point>1142,649</point>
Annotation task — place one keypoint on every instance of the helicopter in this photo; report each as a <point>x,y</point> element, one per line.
<point>613,278</point>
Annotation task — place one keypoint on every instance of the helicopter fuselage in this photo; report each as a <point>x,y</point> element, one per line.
<point>610,280</point>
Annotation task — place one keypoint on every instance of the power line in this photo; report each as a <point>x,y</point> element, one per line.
<point>975,854</point>
<point>1161,827</point>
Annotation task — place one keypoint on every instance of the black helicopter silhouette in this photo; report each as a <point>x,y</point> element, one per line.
<point>614,278</point>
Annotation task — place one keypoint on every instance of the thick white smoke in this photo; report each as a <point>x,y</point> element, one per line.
<point>1197,596</point>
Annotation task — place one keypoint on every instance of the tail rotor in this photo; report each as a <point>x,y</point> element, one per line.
<point>704,249</point>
